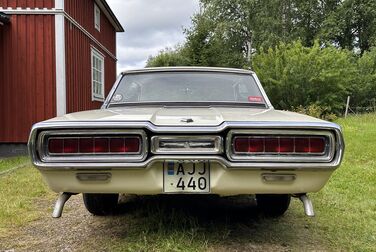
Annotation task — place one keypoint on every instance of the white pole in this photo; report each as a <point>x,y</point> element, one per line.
<point>347,106</point>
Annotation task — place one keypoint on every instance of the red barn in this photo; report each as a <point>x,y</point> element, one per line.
<point>56,57</point>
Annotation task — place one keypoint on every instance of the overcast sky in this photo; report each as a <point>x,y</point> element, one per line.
<point>150,26</point>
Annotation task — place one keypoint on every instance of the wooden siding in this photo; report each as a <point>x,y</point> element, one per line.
<point>83,12</point>
<point>78,68</point>
<point>27,75</point>
<point>27,3</point>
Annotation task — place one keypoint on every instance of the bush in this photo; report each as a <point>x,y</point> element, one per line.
<point>316,111</point>
<point>294,75</point>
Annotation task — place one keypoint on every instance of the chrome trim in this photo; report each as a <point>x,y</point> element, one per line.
<point>46,157</point>
<point>45,147</point>
<point>327,156</point>
<point>261,88</point>
<point>161,158</point>
<point>187,141</point>
<point>185,129</point>
<point>113,125</point>
<point>112,91</point>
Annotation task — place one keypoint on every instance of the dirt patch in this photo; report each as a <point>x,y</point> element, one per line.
<point>228,224</point>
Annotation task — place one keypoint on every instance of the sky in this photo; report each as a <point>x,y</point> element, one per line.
<point>150,26</point>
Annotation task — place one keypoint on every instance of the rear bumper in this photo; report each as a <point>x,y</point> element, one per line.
<point>223,181</point>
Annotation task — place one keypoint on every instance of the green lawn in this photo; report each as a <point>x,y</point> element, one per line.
<point>345,212</point>
<point>9,163</point>
<point>19,189</point>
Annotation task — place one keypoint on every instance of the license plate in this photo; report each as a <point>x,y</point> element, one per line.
<point>186,177</point>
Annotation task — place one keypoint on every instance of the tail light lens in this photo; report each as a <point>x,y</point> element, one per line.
<point>280,144</point>
<point>94,145</point>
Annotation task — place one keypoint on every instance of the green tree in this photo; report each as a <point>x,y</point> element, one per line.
<point>169,57</point>
<point>363,89</point>
<point>352,25</point>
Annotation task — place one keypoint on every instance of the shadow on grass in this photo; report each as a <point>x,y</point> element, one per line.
<point>199,220</point>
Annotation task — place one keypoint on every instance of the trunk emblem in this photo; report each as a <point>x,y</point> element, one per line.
<point>187,120</point>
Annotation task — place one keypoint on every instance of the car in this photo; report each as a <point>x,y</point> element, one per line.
<point>186,130</point>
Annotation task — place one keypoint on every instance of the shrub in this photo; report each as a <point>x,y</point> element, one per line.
<point>294,75</point>
<point>316,111</point>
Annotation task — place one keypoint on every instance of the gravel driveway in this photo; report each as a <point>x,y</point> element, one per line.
<point>78,230</point>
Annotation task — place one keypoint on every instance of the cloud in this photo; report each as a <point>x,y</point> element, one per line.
<point>150,26</point>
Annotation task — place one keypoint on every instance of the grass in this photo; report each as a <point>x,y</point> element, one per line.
<point>19,190</point>
<point>9,163</point>
<point>345,212</point>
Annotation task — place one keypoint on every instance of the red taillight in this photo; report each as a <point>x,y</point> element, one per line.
<point>117,145</point>
<point>132,145</point>
<point>279,145</point>
<point>56,146</point>
<point>317,145</point>
<point>71,145</point>
<point>86,145</point>
<point>94,145</point>
<point>101,145</point>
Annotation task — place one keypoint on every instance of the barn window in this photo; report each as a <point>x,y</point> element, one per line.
<point>97,75</point>
<point>97,17</point>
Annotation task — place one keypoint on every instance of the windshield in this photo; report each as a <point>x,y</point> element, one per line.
<point>206,88</point>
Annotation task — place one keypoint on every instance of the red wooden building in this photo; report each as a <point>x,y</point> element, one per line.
<point>56,57</point>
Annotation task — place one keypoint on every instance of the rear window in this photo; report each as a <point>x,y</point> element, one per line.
<point>187,87</point>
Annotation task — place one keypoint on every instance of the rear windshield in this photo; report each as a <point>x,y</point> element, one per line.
<point>206,88</point>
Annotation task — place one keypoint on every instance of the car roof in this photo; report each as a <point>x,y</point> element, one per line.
<point>182,69</point>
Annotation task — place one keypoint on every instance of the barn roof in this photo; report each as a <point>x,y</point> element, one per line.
<point>103,5</point>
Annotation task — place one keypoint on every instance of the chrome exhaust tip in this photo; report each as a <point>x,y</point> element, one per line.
<point>307,204</point>
<point>59,205</point>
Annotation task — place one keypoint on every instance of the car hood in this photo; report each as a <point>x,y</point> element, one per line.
<point>178,116</point>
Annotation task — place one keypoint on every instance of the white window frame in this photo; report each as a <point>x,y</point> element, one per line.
<point>97,17</point>
<point>96,55</point>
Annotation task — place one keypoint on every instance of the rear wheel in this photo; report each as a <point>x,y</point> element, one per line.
<point>273,205</point>
<point>100,204</point>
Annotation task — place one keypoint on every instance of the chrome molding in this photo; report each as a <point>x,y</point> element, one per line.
<point>137,125</point>
<point>196,144</point>
<point>327,156</point>
<point>161,158</point>
<point>45,157</point>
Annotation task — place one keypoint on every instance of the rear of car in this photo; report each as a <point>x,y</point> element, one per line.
<point>186,130</point>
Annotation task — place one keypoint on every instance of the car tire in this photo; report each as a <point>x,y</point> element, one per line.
<point>100,204</point>
<point>273,205</point>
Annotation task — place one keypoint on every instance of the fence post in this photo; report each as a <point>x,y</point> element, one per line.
<point>347,106</point>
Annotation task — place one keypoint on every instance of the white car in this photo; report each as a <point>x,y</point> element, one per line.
<point>186,130</point>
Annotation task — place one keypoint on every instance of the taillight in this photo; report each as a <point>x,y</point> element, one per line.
<point>94,145</point>
<point>279,144</point>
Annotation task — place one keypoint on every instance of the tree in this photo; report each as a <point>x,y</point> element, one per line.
<point>169,57</point>
<point>352,25</point>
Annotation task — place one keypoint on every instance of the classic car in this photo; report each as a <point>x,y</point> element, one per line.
<point>186,130</point>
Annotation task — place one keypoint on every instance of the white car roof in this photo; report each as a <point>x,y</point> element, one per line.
<point>198,69</point>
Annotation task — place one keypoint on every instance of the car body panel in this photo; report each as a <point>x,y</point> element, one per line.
<point>173,115</point>
<point>223,181</point>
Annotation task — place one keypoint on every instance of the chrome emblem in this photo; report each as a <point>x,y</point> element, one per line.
<point>187,120</point>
